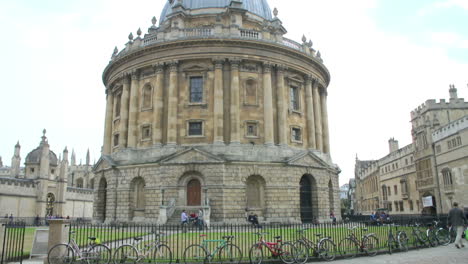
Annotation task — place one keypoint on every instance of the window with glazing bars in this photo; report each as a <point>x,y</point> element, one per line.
<point>294,97</point>
<point>196,89</point>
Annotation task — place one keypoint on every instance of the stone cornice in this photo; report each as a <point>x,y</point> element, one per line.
<point>268,46</point>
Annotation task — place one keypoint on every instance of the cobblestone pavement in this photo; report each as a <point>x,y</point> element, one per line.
<point>437,255</point>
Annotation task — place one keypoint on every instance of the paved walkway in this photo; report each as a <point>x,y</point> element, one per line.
<point>438,255</point>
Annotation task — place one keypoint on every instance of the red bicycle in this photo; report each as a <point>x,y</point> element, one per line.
<point>284,250</point>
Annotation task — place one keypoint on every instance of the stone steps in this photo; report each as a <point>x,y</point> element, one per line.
<point>175,218</point>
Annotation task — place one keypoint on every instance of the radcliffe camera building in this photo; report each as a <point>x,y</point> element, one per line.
<point>216,109</point>
<point>429,174</point>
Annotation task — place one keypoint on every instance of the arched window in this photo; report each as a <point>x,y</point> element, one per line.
<point>117,103</point>
<point>101,201</point>
<point>331,196</point>
<point>251,92</point>
<point>255,191</point>
<point>447,175</point>
<point>147,97</point>
<point>79,183</point>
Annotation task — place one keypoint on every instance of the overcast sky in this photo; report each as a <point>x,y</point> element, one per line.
<point>385,57</point>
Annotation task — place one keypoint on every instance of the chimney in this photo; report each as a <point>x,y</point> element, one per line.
<point>393,145</point>
<point>453,92</point>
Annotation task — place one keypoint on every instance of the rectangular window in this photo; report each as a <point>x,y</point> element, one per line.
<point>196,89</point>
<point>389,191</point>
<point>116,140</point>
<point>195,128</point>
<point>146,132</point>
<point>396,189</point>
<point>459,142</point>
<point>411,205</point>
<point>449,144</point>
<point>438,148</point>
<point>401,206</point>
<point>251,129</point>
<point>396,206</point>
<point>294,97</point>
<point>296,134</point>
<point>117,105</point>
<point>406,161</point>
<point>390,207</point>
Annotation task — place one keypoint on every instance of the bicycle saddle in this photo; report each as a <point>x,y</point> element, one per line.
<point>92,238</point>
<point>228,237</point>
<point>319,235</point>
<point>364,229</point>
<point>137,238</point>
<point>278,237</point>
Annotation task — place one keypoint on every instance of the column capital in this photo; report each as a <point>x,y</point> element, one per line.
<point>125,77</point>
<point>323,91</point>
<point>218,62</point>
<point>235,62</point>
<point>308,79</point>
<point>315,83</point>
<point>173,65</point>
<point>280,68</point>
<point>158,68</point>
<point>135,74</point>
<point>266,67</point>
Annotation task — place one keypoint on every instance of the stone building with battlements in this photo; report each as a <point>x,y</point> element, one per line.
<point>42,187</point>
<point>216,109</point>
<point>429,174</point>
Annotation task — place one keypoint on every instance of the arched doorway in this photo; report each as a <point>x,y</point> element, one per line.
<point>308,199</point>
<point>101,200</point>
<point>50,204</point>
<point>255,192</point>
<point>193,193</point>
<point>137,197</point>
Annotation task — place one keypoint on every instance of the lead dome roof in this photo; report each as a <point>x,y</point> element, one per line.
<point>258,7</point>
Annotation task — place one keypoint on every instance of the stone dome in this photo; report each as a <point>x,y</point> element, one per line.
<point>258,7</point>
<point>35,157</point>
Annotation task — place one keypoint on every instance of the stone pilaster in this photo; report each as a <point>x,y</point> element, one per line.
<point>158,105</point>
<point>107,144</point>
<point>172,104</point>
<point>235,102</point>
<point>124,111</point>
<point>267,105</point>
<point>310,113</point>
<point>218,116</point>
<point>326,137</point>
<point>282,107</point>
<point>133,111</point>
<point>318,115</point>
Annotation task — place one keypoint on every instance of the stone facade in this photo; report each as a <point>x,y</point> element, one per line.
<point>433,166</point>
<point>40,188</point>
<point>216,108</point>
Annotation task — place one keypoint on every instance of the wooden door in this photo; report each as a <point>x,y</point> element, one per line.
<point>193,193</point>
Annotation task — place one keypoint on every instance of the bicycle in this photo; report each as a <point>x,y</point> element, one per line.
<point>398,242</point>
<point>284,250</point>
<point>155,251</point>
<point>95,252</point>
<point>225,250</point>
<point>438,235</point>
<point>324,248</point>
<point>351,245</point>
<point>419,237</point>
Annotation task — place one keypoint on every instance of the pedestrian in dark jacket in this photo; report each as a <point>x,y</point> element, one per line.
<point>457,219</point>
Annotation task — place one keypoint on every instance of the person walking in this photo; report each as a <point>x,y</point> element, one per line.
<point>200,221</point>
<point>457,219</point>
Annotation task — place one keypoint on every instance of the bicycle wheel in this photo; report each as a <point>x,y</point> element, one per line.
<point>256,254</point>
<point>230,254</point>
<point>390,244</point>
<point>327,249</point>
<point>403,241</point>
<point>443,236</point>
<point>348,248</point>
<point>288,253</point>
<point>431,238</point>
<point>371,245</point>
<point>302,252</point>
<point>195,254</point>
<point>126,254</point>
<point>61,254</point>
<point>98,254</point>
<point>162,254</point>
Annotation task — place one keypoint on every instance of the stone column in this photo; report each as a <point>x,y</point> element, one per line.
<point>282,108</point>
<point>218,108</point>
<point>59,230</point>
<point>310,113</point>
<point>124,111</point>
<point>326,137</point>
<point>133,111</point>
<point>235,102</point>
<point>108,123</point>
<point>158,105</point>
<point>318,115</point>
<point>267,105</point>
<point>172,105</point>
